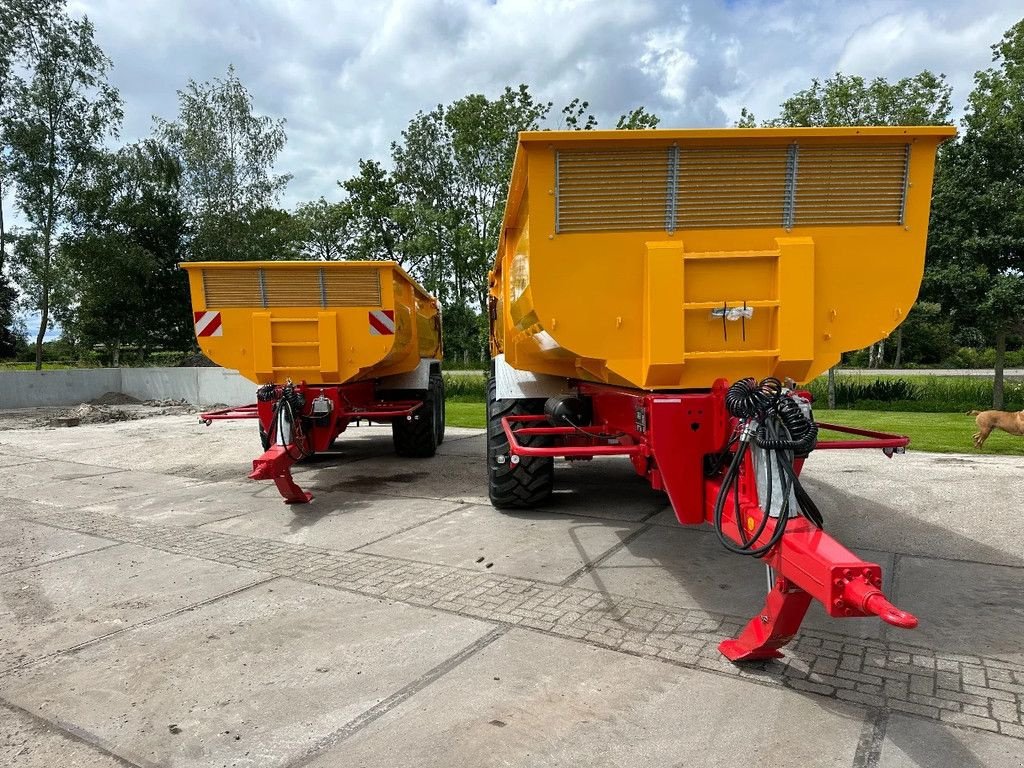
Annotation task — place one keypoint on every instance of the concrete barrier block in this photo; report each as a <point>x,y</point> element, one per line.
<point>161,383</point>
<point>28,389</point>
<point>222,385</point>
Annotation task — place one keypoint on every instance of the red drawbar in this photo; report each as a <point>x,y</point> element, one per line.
<point>681,443</point>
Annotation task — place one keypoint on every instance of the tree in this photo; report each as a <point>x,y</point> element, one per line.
<point>322,228</point>
<point>122,255</point>
<point>375,220</point>
<point>923,99</point>
<point>228,153</point>
<point>20,22</point>
<point>977,236</point>
<point>56,126</point>
<point>638,119</point>
<point>439,212</point>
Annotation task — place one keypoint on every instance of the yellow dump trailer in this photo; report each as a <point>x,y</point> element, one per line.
<point>331,344</point>
<point>657,295</point>
<point>667,259</point>
<point>313,321</point>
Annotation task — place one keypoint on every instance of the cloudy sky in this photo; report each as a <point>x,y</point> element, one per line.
<point>348,75</point>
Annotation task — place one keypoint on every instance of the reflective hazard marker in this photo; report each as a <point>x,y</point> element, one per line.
<point>382,322</point>
<point>208,324</point>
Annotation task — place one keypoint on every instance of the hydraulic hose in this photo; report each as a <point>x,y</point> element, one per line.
<point>770,418</point>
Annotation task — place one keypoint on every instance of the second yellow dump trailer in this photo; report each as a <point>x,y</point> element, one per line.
<point>329,343</point>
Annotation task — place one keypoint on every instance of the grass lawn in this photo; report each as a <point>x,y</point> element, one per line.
<point>938,432</point>
<point>466,414</point>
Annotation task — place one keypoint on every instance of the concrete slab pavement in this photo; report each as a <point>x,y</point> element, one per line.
<point>339,521</point>
<point>526,700</point>
<point>60,605</point>
<point>604,613</point>
<point>24,543</point>
<point>257,679</point>
<point>533,545</point>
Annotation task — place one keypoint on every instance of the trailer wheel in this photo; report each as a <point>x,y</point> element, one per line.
<point>417,438</point>
<point>531,481</point>
<point>437,389</point>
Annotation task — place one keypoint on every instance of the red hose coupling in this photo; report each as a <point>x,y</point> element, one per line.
<point>870,599</point>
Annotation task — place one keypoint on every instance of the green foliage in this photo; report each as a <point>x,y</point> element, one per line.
<point>928,334</point>
<point>922,393</point>
<point>976,242</point>
<point>227,152</point>
<point>59,116</point>
<point>465,388</point>
<point>321,228</point>
<point>638,119</point>
<point>374,217</point>
<point>464,332</point>
<point>923,99</point>
<point>439,212</point>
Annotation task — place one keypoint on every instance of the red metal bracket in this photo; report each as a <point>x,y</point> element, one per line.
<point>275,464</point>
<point>888,442</point>
<point>235,412</point>
<point>586,438</point>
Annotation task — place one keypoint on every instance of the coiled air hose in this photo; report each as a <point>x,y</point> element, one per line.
<point>771,418</point>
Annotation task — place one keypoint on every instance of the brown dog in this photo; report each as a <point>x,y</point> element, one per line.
<point>1008,421</point>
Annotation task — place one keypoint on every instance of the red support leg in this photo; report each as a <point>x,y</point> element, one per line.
<point>275,465</point>
<point>773,627</point>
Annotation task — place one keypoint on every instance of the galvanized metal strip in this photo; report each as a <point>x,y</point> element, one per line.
<point>558,200</point>
<point>789,202</point>
<point>672,189</point>
<point>263,288</point>
<point>906,179</point>
<point>323,289</point>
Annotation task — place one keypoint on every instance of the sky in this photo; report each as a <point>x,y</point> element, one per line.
<point>347,76</point>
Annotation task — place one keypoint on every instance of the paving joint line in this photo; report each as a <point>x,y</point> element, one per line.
<point>460,508</point>
<point>73,732</point>
<point>399,697</point>
<point>62,558</point>
<point>872,736</point>
<point>146,623</point>
<point>596,562</point>
<point>980,693</point>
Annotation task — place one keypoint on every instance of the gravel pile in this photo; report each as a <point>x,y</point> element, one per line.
<point>115,398</point>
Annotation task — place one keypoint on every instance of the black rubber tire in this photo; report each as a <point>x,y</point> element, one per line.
<point>437,388</point>
<point>528,484</point>
<point>264,438</point>
<point>417,438</point>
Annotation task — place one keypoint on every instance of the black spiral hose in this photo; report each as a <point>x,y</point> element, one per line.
<point>773,420</point>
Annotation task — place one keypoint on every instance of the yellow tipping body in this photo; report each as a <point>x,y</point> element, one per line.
<point>311,320</point>
<point>621,251</point>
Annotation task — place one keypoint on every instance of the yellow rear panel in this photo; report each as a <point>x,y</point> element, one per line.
<point>667,259</point>
<point>318,322</point>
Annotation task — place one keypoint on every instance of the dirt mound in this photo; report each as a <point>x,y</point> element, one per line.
<point>197,360</point>
<point>88,413</point>
<point>169,403</point>
<point>115,398</point>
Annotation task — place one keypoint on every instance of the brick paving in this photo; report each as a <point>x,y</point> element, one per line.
<point>968,691</point>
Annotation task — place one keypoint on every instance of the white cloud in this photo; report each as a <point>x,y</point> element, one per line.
<point>347,76</point>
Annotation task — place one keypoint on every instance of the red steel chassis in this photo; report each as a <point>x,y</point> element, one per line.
<point>667,437</point>
<point>349,403</point>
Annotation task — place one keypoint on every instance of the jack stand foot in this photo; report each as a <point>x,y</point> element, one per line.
<point>772,628</point>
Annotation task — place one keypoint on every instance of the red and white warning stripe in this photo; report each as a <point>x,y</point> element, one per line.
<point>208,324</point>
<point>382,322</point>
